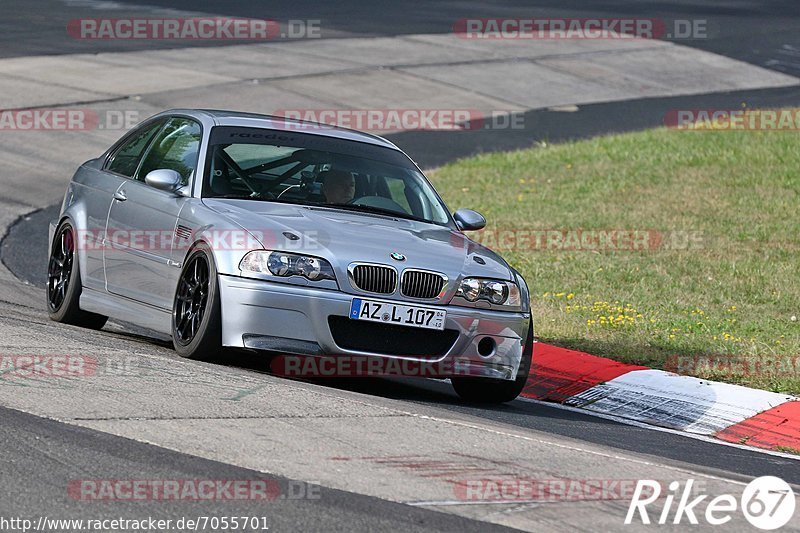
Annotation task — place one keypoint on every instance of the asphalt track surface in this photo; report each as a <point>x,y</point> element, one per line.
<point>766,34</point>
<point>41,456</point>
<point>762,33</point>
<point>49,455</point>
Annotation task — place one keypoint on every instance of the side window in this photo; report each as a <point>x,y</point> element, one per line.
<point>126,159</point>
<point>176,148</point>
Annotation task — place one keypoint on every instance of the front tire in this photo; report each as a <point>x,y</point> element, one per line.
<point>64,283</point>
<point>485,390</point>
<point>196,314</point>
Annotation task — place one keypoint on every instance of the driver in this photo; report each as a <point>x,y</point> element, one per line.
<point>338,186</point>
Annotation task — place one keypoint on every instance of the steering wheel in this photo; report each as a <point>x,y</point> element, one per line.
<point>380,202</point>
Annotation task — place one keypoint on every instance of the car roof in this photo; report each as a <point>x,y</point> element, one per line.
<point>255,120</point>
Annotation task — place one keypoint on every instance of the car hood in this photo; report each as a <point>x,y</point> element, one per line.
<point>343,237</point>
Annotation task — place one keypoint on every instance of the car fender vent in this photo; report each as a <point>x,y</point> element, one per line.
<point>183,233</point>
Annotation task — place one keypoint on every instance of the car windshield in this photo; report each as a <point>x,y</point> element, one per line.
<point>307,169</point>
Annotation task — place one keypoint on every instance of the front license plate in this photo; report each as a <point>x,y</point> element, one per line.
<point>402,315</point>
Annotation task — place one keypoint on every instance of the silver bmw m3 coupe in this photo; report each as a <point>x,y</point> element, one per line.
<point>227,229</point>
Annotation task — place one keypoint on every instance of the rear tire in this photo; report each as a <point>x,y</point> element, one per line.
<point>64,283</point>
<point>196,314</point>
<point>485,390</point>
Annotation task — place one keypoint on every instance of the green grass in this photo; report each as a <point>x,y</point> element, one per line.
<point>719,308</point>
<point>787,449</point>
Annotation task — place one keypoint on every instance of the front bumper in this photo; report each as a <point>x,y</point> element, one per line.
<point>293,319</point>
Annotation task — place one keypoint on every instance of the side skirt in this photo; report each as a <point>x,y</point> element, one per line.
<point>127,310</point>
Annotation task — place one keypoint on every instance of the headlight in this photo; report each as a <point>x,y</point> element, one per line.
<point>470,289</point>
<point>494,291</point>
<point>284,264</point>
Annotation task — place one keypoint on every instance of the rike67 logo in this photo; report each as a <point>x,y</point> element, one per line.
<point>767,502</point>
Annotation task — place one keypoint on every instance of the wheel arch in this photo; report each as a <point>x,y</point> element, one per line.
<point>73,216</point>
<point>215,301</point>
<point>227,255</point>
<point>194,246</point>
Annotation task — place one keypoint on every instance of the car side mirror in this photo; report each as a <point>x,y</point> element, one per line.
<point>469,220</point>
<point>164,179</point>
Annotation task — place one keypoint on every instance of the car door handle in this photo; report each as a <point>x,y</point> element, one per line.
<point>120,196</point>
